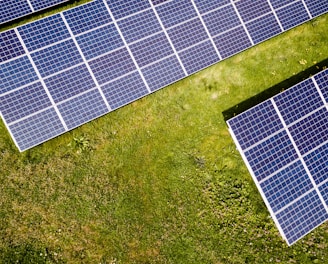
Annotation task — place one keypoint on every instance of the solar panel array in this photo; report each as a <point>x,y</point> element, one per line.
<point>67,69</point>
<point>284,142</point>
<point>14,9</point>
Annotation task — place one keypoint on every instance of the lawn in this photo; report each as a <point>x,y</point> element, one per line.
<point>160,180</point>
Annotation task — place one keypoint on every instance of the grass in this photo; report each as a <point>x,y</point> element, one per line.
<point>160,180</point>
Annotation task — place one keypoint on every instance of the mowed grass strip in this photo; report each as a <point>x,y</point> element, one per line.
<point>160,180</point>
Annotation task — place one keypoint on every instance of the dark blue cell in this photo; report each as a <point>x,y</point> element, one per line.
<point>280,3</point>
<point>255,124</point>
<point>221,20</point>
<point>36,129</point>
<point>317,7</point>
<point>175,12</point>
<point>199,57</point>
<point>39,5</point>
<point>112,65</point>
<point>311,131</point>
<point>157,2</point>
<point>322,80</point>
<point>56,58</point>
<point>24,102</point>
<point>263,28</point>
<point>139,26</point>
<point>88,16</point>
<point>292,15</point>
<point>69,83</point>
<point>286,186</point>
<point>100,41</point>
<point>232,42</point>
<point>210,5</point>
<point>124,90</point>
<point>323,189</point>
<point>163,73</point>
<point>10,46</point>
<point>302,216</point>
<point>298,101</point>
<point>151,49</point>
<point>187,34</point>
<point>317,163</point>
<point>271,155</point>
<point>13,9</point>
<point>16,73</point>
<point>80,110</point>
<point>122,8</point>
<point>251,9</point>
<point>44,32</point>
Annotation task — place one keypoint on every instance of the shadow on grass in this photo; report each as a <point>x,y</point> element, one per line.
<point>272,91</point>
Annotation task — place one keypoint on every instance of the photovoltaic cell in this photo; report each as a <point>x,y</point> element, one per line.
<point>83,108</point>
<point>44,32</point>
<point>122,50</point>
<point>10,46</point>
<point>14,9</point>
<point>292,15</point>
<point>124,90</point>
<point>289,163</point>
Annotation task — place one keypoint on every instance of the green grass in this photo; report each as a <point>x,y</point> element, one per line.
<point>160,180</point>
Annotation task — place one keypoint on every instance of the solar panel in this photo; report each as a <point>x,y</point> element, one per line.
<point>284,143</point>
<point>87,61</point>
<point>14,9</point>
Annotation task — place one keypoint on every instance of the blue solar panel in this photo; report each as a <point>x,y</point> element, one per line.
<point>14,9</point>
<point>121,50</point>
<point>124,90</point>
<point>311,131</point>
<point>317,163</point>
<point>232,42</point>
<point>10,46</point>
<point>56,58</point>
<point>289,161</point>
<point>221,20</point>
<point>296,103</point>
<point>251,9</point>
<point>187,34</point>
<point>316,7</point>
<point>69,83</point>
<point>24,102</point>
<point>163,73</point>
<point>175,12</point>
<point>271,155</point>
<point>303,216</point>
<point>112,65</point>
<point>44,32</point>
<point>292,15</point>
<point>83,108</point>
<point>37,128</point>
<point>198,57</point>
<point>263,28</point>
<point>139,26</point>
<point>100,41</point>
<point>151,49</point>
<point>16,73</point>
<point>322,82</point>
<point>87,17</point>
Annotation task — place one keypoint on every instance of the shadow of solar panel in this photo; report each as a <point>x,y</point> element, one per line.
<point>119,51</point>
<point>289,161</point>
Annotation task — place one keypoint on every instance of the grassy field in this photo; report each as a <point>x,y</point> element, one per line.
<point>160,180</point>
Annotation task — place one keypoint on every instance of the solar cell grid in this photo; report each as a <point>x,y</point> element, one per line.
<point>43,32</point>
<point>290,167</point>
<point>10,46</point>
<point>14,9</point>
<point>296,103</point>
